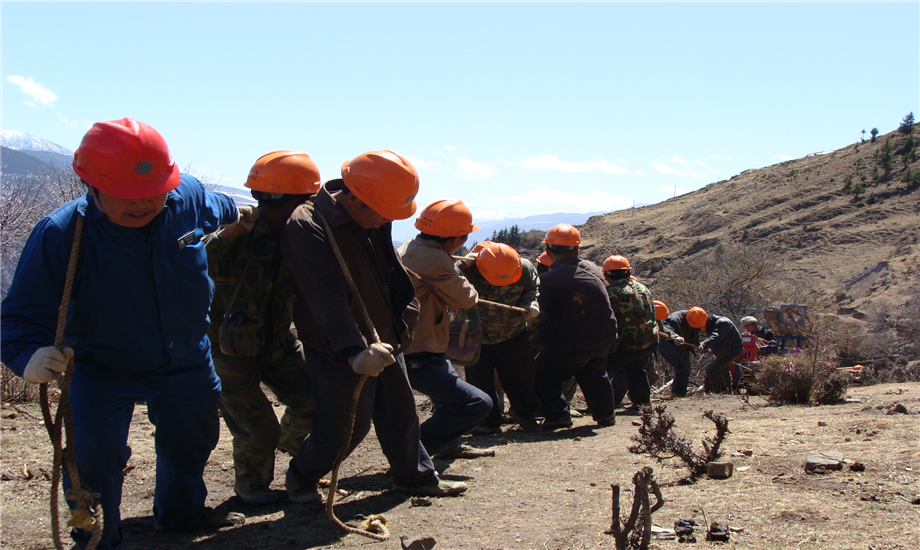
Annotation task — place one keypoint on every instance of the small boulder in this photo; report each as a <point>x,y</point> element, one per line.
<point>720,470</point>
<point>828,460</point>
<point>718,532</point>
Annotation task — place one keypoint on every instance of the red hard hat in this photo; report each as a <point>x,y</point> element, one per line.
<point>126,159</point>
<point>499,263</point>
<point>383,180</point>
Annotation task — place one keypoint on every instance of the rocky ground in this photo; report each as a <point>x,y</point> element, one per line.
<point>552,491</point>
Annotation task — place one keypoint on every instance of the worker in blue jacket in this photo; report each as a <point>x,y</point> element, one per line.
<point>137,320</point>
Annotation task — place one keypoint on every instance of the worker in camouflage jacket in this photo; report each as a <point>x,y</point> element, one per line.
<point>631,356</point>
<point>252,326</point>
<point>501,276</point>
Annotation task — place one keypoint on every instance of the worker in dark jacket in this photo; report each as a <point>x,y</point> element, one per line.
<point>252,326</point>
<point>576,334</point>
<point>138,318</point>
<point>340,345</point>
<point>684,328</point>
<point>724,341</point>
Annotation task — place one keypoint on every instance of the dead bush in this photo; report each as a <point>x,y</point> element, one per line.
<point>797,380</point>
<point>14,389</point>
<point>657,439</point>
<point>830,389</point>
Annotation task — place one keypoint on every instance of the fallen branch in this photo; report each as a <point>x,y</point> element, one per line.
<point>627,533</point>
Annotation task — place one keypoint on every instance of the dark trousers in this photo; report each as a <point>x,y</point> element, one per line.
<point>627,371</point>
<point>182,407</point>
<point>554,367</point>
<point>513,361</point>
<point>679,358</point>
<point>387,398</point>
<point>458,405</point>
<point>717,376</point>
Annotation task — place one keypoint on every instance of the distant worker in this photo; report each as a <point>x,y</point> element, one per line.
<point>763,332</point>
<point>458,405</point>
<point>686,327</point>
<point>252,326</point>
<point>500,275</point>
<point>138,320</point>
<point>356,211</point>
<point>724,341</point>
<point>543,263</point>
<point>576,334</point>
<point>631,356</point>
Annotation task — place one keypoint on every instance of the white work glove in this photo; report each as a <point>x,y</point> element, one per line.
<point>247,220</point>
<point>679,341</point>
<point>467,261</point>
<point>46,363</point>
<point>533,312</point>
<point>373,359</point>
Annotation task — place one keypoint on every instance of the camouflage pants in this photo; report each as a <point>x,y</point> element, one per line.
<point>251,417</point>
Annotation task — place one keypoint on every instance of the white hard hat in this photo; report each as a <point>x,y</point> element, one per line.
<point>748,320</point>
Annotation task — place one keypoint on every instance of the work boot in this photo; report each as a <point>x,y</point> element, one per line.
<point>527,424</point>
<point>255,495</point>
<point>302,493</point>
<point>442,489</point>
<point>485,430</point>
<point>607,421</point>
<point>550,425</point>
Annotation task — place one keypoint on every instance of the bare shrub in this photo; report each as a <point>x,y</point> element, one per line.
<point>797,380</point>
<point>830,389</point>
<point>657,439</point>
<point>14,389</point>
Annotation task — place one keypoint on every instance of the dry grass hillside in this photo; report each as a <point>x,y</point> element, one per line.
<point>842,226</point>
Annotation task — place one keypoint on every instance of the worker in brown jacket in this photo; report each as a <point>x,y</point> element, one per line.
<point>439,285</point>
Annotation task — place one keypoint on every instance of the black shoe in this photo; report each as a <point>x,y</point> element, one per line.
<point>550,425</point>
<point>607,421</point>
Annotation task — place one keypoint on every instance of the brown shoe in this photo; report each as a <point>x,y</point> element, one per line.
<point>466,451</point>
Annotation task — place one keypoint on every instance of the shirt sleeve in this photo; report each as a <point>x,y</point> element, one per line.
<point>28,318</point>
<point>448,284</point>
<point>719,331</point>
<point>531,286</point>
<point>321,283</point>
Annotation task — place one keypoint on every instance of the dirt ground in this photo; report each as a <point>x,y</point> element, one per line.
<point>549,491</point>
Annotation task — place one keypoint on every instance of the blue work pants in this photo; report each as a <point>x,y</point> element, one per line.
<point>679,358</point>
<point>458,405</point>
<point>182,407</point>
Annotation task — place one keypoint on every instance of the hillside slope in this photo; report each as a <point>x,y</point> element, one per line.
<point>853,249</point>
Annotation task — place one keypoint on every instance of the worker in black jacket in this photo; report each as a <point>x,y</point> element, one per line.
<point>724,342</point>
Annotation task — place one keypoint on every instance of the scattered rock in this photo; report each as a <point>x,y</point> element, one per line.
<point>872,498</point>
<point>664,533</point>
<point>420,501</point>
<point>828,460</point>
<point>857,467</point>
<point>897,409</point>
<point>822,423</point>
<point>718,532</point>
<point>421,543</point>
<point>685,481</point>
<point>636,423</point>
<point>684,526</point>
<point>719,470</point>
<point>916,501</point>
<point>688,539</point>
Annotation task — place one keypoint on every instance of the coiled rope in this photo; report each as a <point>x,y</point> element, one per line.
<point>376,525</point>
<point>79,493</point>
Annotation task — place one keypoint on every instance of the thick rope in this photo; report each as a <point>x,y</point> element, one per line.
<point>379,522</point>
<point>79,493</point>
<point>479,301</point>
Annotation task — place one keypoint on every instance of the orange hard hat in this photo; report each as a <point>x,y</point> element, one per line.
<point>446,218</point>
<point>661,310</point>
<point>563,235</point>
<point>383,180</point>
<point>696,317</point>
<point>478,247</point>
<point>284,172</point>
<point>616,263</point>
<point>544,259</point>
<point>499,263</point>
<point>126,159</point>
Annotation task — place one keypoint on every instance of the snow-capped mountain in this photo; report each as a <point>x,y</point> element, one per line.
<point>21,141</point>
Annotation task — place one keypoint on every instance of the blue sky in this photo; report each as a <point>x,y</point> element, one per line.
<point>516,108</point>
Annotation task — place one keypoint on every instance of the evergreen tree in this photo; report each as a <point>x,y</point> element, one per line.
<point>873,133</point>
<point>907,124</point>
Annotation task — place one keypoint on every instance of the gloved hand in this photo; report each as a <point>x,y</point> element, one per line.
<point>245,223</point>
<point>701,348</point>
<point>533,312</point>
<point>679,341</point>
<point>373,359</point>
<point>45,363</point>
<point>467,261</point>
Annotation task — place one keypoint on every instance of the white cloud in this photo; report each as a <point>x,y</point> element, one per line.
<point>429,165</point>
<point>728,158</point>
<point>639,173</point>
<point>782,157</point>
<point>672,190</point>
<point>583,202</point>
<point>665,169</point>
<point>680,160</point>
<point>40,95</point>
<point>706,166</point>
<point>552,162</point>
<point>472,170</point>
<point>450,148</point>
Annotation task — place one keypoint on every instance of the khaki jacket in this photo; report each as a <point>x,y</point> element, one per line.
<point>438,285</point>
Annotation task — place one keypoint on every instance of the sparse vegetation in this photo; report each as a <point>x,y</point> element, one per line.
<point>657,439</point>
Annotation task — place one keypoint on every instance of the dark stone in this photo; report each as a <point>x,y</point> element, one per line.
<point>718,532</point>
